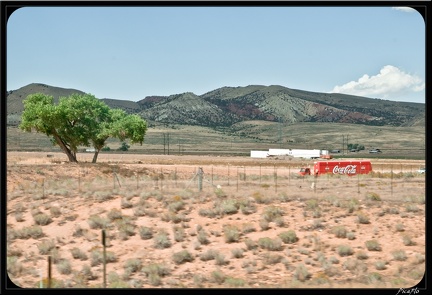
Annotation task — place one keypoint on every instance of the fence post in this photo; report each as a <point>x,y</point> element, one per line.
<point>358,183</point>
<point>260,173</point>
<point>49,272</point>
<point>161,177</point>
<point>114,185</point>
<point>237,178</point>
<point>289,173</point>
<point>391,181</point>
<point>228,173</point>
<point>104,258</point>
<point>200,177</point>
<point>315,182</point>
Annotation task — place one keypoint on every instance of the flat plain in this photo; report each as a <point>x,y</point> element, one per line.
<point>243,223</point>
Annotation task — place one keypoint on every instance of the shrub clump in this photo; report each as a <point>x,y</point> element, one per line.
<point>229,206</point>
<point>339,231</point>
<point>250,244</point>
<point>407,241</point>
<point>34,231</point>
<point>114,214</point>
<point>301,273</point>
<point>209,255</point>
<point>362,218</point>
<point>288,237</point>
<point>272,212</point>
<point>261,199</point>
<point>373,196</point>
<point>64,267</point>
<point>232,233</point>
<point>77,253</point>
<point>270,244</point>
<point>97,257</point>
<point>46,246</point>
<point>133,265</point>
<point>237,253</point>
<point>42,219</point>
<point>145,232</point>
<point>202,237</point>
<point>399,255</point>
<point>182,257</point>
<point>97,222</point>
<point>162,240</point>
<point>345,250</point>
<point>373,245</point>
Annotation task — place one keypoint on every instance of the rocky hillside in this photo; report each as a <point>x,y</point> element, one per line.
<point>229,105</point>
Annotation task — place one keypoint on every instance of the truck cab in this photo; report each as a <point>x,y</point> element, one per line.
<point>305,171</point>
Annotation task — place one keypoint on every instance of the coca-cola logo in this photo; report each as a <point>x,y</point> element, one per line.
<point>348,169</point>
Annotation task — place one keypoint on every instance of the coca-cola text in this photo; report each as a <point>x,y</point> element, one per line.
<point>348,169</point>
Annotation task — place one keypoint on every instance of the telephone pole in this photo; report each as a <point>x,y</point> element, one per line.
<point>166,142</point>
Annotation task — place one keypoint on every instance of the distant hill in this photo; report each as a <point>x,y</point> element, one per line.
<point>226,106</point>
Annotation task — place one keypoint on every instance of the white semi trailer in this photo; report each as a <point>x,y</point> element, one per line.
<point>296,153</point>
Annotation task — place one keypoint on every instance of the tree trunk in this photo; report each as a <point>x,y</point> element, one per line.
<point>71,157</point>
<point>68,152</point>
<point>95,155</point>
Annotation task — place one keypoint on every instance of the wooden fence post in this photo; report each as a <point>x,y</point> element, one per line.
<point>49,272</point>
<point>104,258</point>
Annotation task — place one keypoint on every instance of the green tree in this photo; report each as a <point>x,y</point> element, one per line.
<point>124,147</point>
<point>79,120</point>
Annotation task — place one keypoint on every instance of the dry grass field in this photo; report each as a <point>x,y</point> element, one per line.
<point>240,139</point>
<point>249,223</point>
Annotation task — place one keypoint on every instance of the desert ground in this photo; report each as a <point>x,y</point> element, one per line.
<point>243,223</point>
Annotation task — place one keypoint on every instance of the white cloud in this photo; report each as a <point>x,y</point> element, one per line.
<point>390,83</point>
<point>404,9</point>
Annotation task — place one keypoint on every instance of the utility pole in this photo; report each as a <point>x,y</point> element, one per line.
<point>164,142</point>
<point>343,144</point>
<point>347,143</point>
<point>280,133</point>
<point>168,142</point>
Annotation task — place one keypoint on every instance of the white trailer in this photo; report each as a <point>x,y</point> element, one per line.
<point>296,153</point>
<point>307,154</point>
<point>279,152</point>
<point>259,154</point>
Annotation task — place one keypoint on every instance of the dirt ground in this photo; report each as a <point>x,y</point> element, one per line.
<point>226,229</point>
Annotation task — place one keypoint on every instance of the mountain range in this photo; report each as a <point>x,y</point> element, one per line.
<point>226,106</point>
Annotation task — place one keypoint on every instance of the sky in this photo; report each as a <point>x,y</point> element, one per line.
<point>129,53</point>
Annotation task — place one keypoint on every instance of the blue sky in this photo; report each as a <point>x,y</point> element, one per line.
<point>132,52</point>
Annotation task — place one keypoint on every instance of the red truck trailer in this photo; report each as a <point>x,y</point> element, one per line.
<point>339,167</point>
